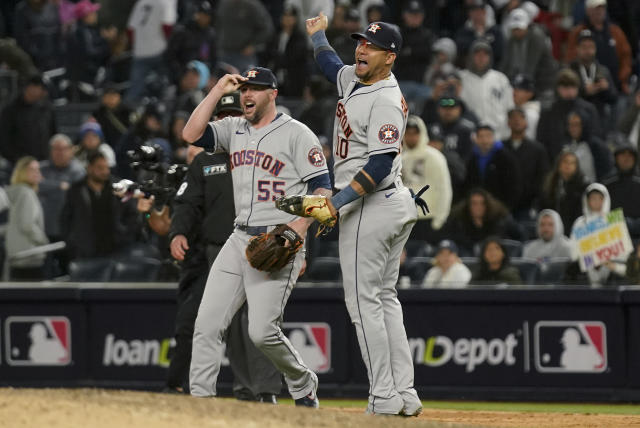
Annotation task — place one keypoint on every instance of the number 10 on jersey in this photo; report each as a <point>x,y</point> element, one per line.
<point>342,148</point>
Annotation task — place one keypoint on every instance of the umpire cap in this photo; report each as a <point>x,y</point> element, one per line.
<point>229,102</point>
<point>382,34</point>
<point>260,76</point>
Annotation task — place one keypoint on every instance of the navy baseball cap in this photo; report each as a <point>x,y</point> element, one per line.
<point>382,34</point>
<point>260,76</point>
<point>523,81</point>
<point>447,244</point>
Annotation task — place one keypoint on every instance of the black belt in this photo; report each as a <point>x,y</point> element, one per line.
<point>252,230</point>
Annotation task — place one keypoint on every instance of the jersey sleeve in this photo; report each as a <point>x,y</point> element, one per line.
<point>222,132</point>
<point>307,155</point>
<point>386,124</point>
<point>345,75</point>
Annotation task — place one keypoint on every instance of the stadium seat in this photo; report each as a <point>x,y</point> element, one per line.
<point>90,270</point>
<point>552,272</point>
<point>527,268</point>
<point>325,248</point>
<point>140,250</point>
<point>471,262</point>
<point>323,269</point>
<point>70,116</point>
<point>417,267</point>
<point>139,269</point>
<point>418,248</point>
<point>513,248</point>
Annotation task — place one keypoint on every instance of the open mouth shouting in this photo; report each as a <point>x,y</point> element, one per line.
<point>362,65</point>
<point>249,107</point>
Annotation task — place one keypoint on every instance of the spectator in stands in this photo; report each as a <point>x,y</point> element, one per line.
<point>613,50</point>
<point>528,51</point>
<point>532,162</point>
<point>495,267</point>
<point>88,50</point>
<point>13,57</point>
<point>523,97</point>
<point>113,116</point>
<point>27,123</point>
<point>444,53</point>
<point>149,27</point>
<point>94,222</point>
<point>624,184</point>
<point>25,229</point>
<point>192,87</point>
<point>287,55</point>
<point>37,30</point>
<point>195,40</point>
<point>551,242</point>
<point>90,140</point>
<point>244,27</point>
<point>494,168</point>
<point>448,271</point>
<point>633,267</point>
<point>629,123</point>
<point>178,145</point>
<point>476,28</point>
<point>563,188</point>
<point>415,55</point>
<point>487,92</point>
<point>596,83</point>
<point>578,141</point>
<point>423,165</point>
<point>596,203</point>
<point>340,38</point>
<point>553,119</point>
<point>478,216</point>
<point>448,84</point>
<point>59,172</point>
<point>455,164</point>
<point>457,129</point>
<point>319,107</point>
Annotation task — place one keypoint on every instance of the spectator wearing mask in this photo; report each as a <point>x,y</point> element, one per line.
<point>523,97</point>
<point>457,129</point>
<point>563,188</point>
<point>596,83</point>
<point>38,31</point>
<point>493,168</point>
<point>487,92</point>
<point>478,27</point>
<point>423,165</point>
<point>94,222</point>
<point>27,123</point>
<point>612,46</point>
<point>624,184</point>
<point>532,162</point>
<point>195,40</point>
<point>553,119</point>
<point>596,203</point>
<point>447,271</point>
<point>149,26</point>
<point>495,267</point>
<point>112,115</point>
<point>455,164</point>
<point>528,51</point>
<point>443,53</point>
<point>629,123</point>
<point>59,172</point>
<point>91,139</point>
<point>551,242</point>
<point>25,229</point>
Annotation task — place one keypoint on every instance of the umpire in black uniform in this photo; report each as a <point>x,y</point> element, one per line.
<point>202,220</point>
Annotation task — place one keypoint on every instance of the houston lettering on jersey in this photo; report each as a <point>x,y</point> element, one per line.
<point>257,158</point>
<point>341,113</point>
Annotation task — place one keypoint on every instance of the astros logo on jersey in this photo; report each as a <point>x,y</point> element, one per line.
<point>316,158</point>
<point>373,28</point>
<point>252,73</point>
<point>388,134</point>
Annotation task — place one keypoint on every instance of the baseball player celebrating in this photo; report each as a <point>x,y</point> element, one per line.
<point>377,212</point>
<point>271,155</point>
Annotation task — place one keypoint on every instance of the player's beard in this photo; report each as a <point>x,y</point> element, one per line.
<point>259,111</point>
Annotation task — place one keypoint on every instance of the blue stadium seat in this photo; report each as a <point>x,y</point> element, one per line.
<point>552,272</point>
<point>138,269</point>
<point>513,248</point>
<point>527,268</point>
<point>471,262</point>
<point>324,248</point>
<point>417,267</point>
<point>323,269</point>
<point>418,248</point>
<point>90,270</point>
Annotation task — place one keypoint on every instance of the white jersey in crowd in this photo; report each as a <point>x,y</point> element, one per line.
<point>146,21</point>
<point>369,121</point>
<point>267,163</point>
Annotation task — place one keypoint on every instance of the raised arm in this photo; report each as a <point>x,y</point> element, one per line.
<point>327,59</point>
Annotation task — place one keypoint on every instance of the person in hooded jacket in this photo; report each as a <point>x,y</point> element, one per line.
<point>597,203</point>
<point>551,242</point>
<point>495,267</point>
<point>624,184</point>
<point>423,165</point>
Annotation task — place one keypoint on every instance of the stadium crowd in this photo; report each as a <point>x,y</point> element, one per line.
<point>524,120</point>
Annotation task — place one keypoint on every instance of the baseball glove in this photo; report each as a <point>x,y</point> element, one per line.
<point>269,252</point>
<point>316,206</point>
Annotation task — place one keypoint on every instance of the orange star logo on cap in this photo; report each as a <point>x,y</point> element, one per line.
<point>373,28</point>
<point>252,73</point>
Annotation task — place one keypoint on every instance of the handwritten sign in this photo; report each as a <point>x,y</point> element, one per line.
<point>601,239</point>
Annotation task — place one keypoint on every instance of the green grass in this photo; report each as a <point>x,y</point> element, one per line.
<point>620,409</point>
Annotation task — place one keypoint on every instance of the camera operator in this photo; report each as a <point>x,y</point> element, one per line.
<point>202,220</point>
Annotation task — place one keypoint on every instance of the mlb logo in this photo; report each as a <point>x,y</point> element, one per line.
<point>570,346</point>
<point>37,341</point>
<point>313,343</point>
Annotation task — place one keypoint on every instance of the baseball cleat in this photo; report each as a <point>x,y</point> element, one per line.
<point>310,400</point>
<point>267,398</point>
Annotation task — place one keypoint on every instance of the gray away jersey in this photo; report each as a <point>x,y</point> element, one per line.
<point>369,121</point>
<point>267,163</point>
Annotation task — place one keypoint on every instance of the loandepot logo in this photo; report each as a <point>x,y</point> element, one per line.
<point>470,353</point>
<point>119,352</point>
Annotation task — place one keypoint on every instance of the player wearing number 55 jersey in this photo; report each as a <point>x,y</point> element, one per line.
<point>377,212</point>
<point>271,155</point>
